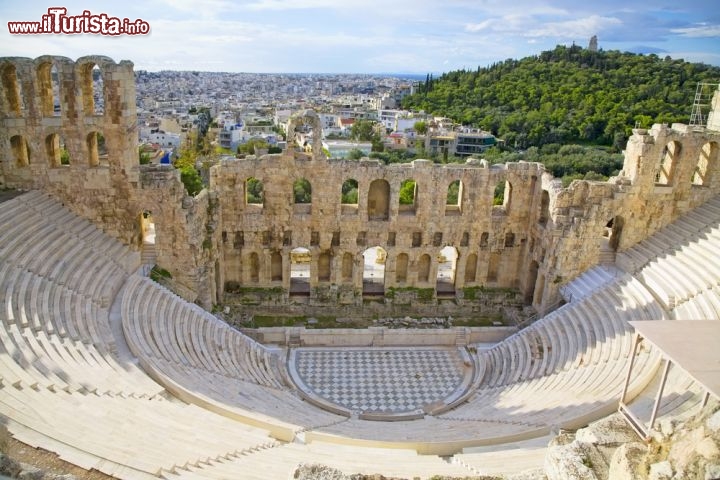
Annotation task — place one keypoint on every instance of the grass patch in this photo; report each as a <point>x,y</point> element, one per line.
<point>158,273</point>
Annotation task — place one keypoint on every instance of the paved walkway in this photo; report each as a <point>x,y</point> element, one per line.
<point>380,380</point>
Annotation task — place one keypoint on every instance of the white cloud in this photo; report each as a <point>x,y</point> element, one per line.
<point>580,27</point>
<point>700,31</point>
<point>479,27</point>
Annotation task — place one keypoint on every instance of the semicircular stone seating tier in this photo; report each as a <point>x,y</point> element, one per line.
<point>70,384</point>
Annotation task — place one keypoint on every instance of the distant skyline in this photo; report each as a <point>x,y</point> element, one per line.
<point>368,36</point>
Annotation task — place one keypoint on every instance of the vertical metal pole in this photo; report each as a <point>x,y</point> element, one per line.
<point>656,407</point>
<point>636,344</point>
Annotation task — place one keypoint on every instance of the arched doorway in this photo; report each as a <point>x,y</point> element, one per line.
<point>300,259</point>
<point>147,238</point>
<point>374,271</point>
<point>447,264</point>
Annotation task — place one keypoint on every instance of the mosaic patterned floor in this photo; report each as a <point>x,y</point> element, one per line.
<point>379,380</point>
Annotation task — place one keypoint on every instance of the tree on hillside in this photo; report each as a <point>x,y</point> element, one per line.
<point>566,95</point>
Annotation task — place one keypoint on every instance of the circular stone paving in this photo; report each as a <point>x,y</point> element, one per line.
<point>389,381</point>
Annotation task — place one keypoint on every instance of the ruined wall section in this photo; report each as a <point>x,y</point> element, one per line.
<point>672,170</point>
<point>667,172</point>
<point>496,236</point>
<point>183,238</point>
<point>56,149</point>
<point>64,132</point>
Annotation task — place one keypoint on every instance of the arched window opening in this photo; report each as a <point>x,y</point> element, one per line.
<point>302,191</point>
<point>13,93</point>
<point>471,268</point>
<point>324,262</point>
<point>300,259</point>
<point>401,266</point>
<point>544,207</point>
<point>379,200</point>
<point>453,199</point>
<point>349,192</point>
<point>49,85</point>
<point>92,87</point>
<point>407,197</point>
<point>276,267</point>
<point>302,196</point>
<point>347,267</point>
<point>503,195</point>
<point>424,268</point>
<point>374,271</point>
<point>21,150</point>
<point>668,160</point>
<point>254,192</point>
<point>57,151</point>
<point>95,143</point>
<point>708,156</point>
<point>349,197</point>
<point>447,265</point>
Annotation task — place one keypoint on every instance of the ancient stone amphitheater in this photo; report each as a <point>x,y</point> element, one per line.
<point>114,372</point>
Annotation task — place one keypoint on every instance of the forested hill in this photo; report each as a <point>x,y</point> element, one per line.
<point>567,95</point>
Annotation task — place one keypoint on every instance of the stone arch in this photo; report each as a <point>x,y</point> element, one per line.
<point>544,207</point>
<point>324,266</point>
<point>530,284</point>
<point>453,198</point>
<point>401,267</point>
<point>276,267</point>
<point>379,200</point>
<point>374,270</point>
<point>12,91</point>
<point>254,191</point>
<point>300,259</point>
<point>708,157</point>
<point>347,267</point>
<point>424,268</point>
<point>667,163</point>
<point>613,233</point>
<point>447,267</point>
<point>20,150</point>
<point>48,81</point>
<point>254,267</point>
<point>407,198</point>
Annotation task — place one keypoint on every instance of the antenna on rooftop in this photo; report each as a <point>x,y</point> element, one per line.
<point>701,105</point>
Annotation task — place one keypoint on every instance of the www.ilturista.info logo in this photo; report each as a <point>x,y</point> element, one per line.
<point>58,21</point>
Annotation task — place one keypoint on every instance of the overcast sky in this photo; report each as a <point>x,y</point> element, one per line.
<point>369,36</point>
